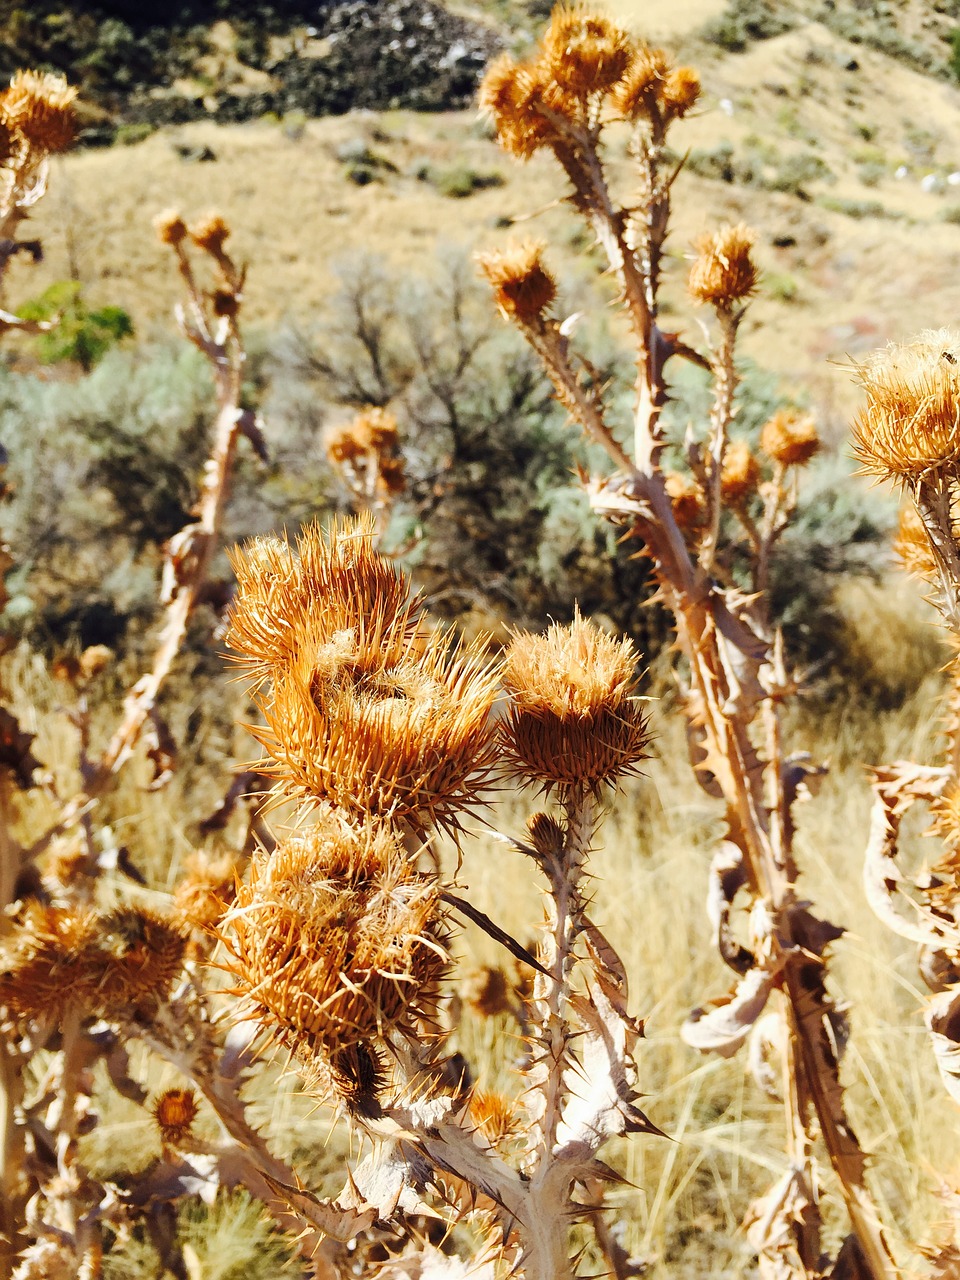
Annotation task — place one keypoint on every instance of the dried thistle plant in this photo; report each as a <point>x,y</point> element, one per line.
<point>587,76</point>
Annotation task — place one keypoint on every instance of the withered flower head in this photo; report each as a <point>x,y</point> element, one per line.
<point>338,941</point>
<point>497,1116</point>
<point>59,958</point>
<point>366,710</point>
<point>741,473</point>
<point>175,1111</point>
<point>170,227</point>
<point>40,108</point>
<point>790,438</point>
<point>723,271</point>
<point>374,430</point>
<point>686,500</point>
<point>639,92</point>
<point>680,92</point>
<point>523,287</point>
<point>911,422</point>
<point>574,718</point>
<point>912,544</point>
<point>225,302</point>
<point>207,888</point>
<point>525,104</point>
<point>210,233</point>
<point>585,51</point>
<point>486,991</point>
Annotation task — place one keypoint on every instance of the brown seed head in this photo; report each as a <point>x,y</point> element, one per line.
<point>741,473</point>
<point>225,302</point>
<point>723,271</point>
<point>912,544</point>
<point>497,1116</point>
<point>175,1111</point>
<point>686,500</point>
<point>574,717</point>
<point>527,106</point>
<point>40,107</point>
<point>790,438</point>
<point>137,956</point>
<point>44,965</point>
<point>206,890</point>
<point>486,991</point>
<point>338,941</point>
<point>639,92</point>
<point>210,233</point>
<point>680,92</point>
<point>585,51</point>
<point>170,227</point>
<point>374,430</point>
<point>911,422</point>
<point>523,287</point>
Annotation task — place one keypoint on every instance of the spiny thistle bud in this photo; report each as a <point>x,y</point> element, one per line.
<point>40,108</point>
<point>912,544</point>
<point>574,717</point>
<point>170,227</point>
<point>496,1115</point>
<point>175,1111</point>
<point>523,287</point>
<point>740,474</point>
<point>638,94</point>
<point>207,888</point>
<point>210,233</point>
<point>67,957</point>
<point>338,941</point>
<point>911,422</point>
<point>485,991</point>
<point>790,438</point>
<point>686,499</point>
<point>723,271</point>
<point>680,92</point>
<point>585,51</point>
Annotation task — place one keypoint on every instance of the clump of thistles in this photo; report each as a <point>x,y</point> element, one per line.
<point>364,707</point>
<point>910,425</point>
<point>585,59</point>
<point>574,717</point>
<point>523,287</point>
<point>338,942</point>
<point>723,271</point>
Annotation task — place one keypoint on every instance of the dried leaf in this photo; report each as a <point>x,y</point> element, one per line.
<point>942,1016</point>
<point>783,1227</point>
<point>727,876</point>
<point>723,1025</point>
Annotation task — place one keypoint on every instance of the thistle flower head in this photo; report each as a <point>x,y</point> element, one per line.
<point>573,717</point>
<point>910,424</point>
<point>522,285</point>
<point>741,473</point>
<point>680,92</point>
<point>497,1116</point>
<point>175,1111</point>
<point>723,271</point>
<point>170,227</point>
<point>525,104</point>
<point>639,92</point>
<point>486,991</point>
<point>40,107</point>
<point>58,958</point>
<point>790,438</point>
<point>210,233</point>
<point>585,51</point>
<point>338,942</point>
<point>207,887</point>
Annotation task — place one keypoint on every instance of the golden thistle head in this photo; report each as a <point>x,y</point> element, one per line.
<point>910,425</point>
<point>365,710</point>
<point>206,890</point>
<point>523,287</point>
<point>338,942</point>
<point>175,1111</point>
<point>527,106</point>
<point>40,107</point>
<point>170,227</point>
<point>374,430</point>
<point>639,92</point>
<point>210,233</point>
<point>723,271</point>
<point>58,958</point>
<point>740,475</point>
<point>790,438</point>
<point>585,52</point>
<point>574,718</point>
<point>680,92</point>
<point>496,1115</point>
<point>686,499</point>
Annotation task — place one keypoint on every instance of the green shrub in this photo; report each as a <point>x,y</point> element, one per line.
<point>745,21</point>
<point>459,181</point>
<point>857,208</point>
<point>78,335</point>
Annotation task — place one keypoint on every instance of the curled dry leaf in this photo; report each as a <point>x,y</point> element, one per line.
<point>723,1025</point>
<point>942,1017</point>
